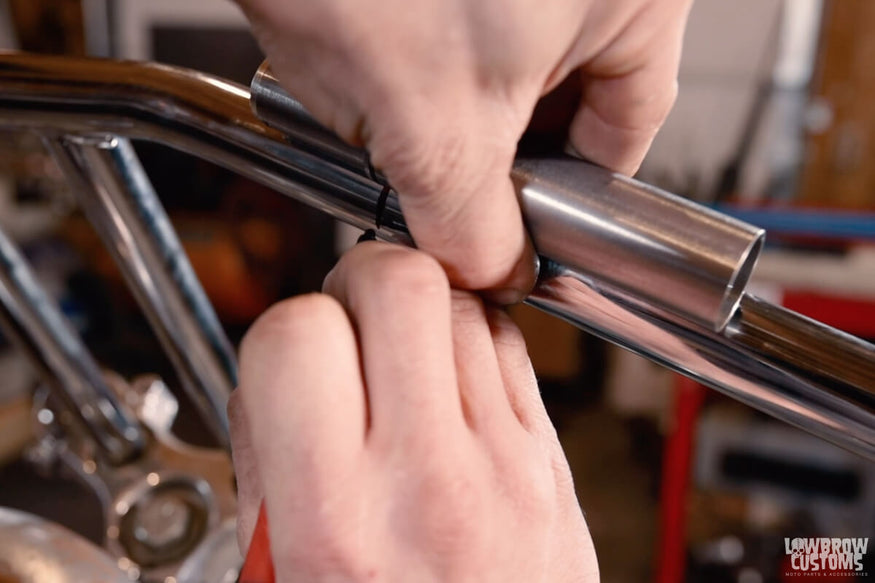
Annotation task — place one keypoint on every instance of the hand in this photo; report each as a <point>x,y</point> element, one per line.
<point>395,431</point>
<point>440,91</point>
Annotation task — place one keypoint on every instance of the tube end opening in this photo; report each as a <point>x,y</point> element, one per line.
<point>260,79</point>
<point>739,280</point>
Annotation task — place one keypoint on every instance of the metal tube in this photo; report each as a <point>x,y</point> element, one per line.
<point>187,110</point>
<point>119,201</point>
<point>34,323</point>
<point>275,107</point>
<point>663,249</point>
<point>211,118</point>
<point>794,369</point>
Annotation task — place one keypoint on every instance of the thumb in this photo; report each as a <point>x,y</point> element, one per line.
<point>451,167</point>
<point>619,116</point>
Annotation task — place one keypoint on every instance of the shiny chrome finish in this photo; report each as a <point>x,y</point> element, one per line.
<point>33,550</point>
<point>119,201</point>
<point>795,369</point>
<point>162,509</point>
<point>754,357</point>
<point>792,342</point>
<point>33,321</point>
<point>193,112</point>
<point>665,250</point>
<point>217,560</point>
<point>274,106</point>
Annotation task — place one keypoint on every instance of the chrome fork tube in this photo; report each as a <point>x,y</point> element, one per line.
<point>118,199</point>
<point>32,320</point>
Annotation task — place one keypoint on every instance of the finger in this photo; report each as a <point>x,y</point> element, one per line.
<point>484,399</point>
<point>399,301</point>
<point>620,115</point>
<point>450,160</point>
<point>302,394</point>
<point>525,399</point>
<point>249,491</point>
<point>518,375</point>
<point>448,155</point>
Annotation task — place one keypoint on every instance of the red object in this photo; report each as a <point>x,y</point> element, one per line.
<point>258,566</point>
<point>854,316</point>
<point>677,456</point>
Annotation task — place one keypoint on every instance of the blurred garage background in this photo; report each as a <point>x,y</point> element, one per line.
<point>774,124</point>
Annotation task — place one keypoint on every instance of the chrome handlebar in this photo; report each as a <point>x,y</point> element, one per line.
<point>648,271</point>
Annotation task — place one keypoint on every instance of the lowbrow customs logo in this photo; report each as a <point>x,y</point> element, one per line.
<point>826,557</point>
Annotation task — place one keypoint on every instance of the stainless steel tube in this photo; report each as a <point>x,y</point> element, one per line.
<point>274,106</point>
<point>774,360</point>
<point>119,201</point>
<point>211,118</point>
<point>649,243</point>
<point>664,251</point>
<point>34,323</point>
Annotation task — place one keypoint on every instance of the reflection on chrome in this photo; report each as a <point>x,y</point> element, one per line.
<point>639,267</point>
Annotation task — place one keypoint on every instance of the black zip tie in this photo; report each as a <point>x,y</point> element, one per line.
<point>381,205</point>
<point>372,172</point>
<point>369,235</point>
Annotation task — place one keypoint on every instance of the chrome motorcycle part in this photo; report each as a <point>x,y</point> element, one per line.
<point>667,251</point>
<point>211,118</point>
<point>162,509</point>
<point>119,201</point>
<point>217,560</point>
<point>33,321</point>
<point>33,550</point>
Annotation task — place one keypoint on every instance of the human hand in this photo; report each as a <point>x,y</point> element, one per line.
<point>395,431</point>
<point>440,91</point>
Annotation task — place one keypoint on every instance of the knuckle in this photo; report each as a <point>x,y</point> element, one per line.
<point>414,151</point>
<point>292,321</point>
<point>648,114</point>
<point>661,106</point>
<point>436,169</point>
<point>405,275</point>
<point>482,270</point>
<point>446,176</point>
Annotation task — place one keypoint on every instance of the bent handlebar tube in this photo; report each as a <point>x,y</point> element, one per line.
<point>793,368</point>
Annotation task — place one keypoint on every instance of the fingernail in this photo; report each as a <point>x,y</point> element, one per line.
<point>520,285</point>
